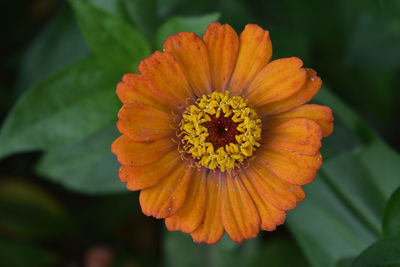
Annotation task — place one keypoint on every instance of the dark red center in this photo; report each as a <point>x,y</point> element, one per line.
<point>221,131</point>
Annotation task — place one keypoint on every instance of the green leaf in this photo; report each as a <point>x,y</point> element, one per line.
<point>111,6</point>
<point>166,7</point>
<point>325,227</point>
<point>341,215</point>
<point>384,253</point>
<point>27,211</point>
<point>275,253</point>
<point>63,109</point>
<point>110,38</point>
<point>21,254</point>
<point>174,25</point>
<point>142,13</point>
<point>391,218</point>
<point>87,166</point>
<point>180,250</point>
<point>58,45</point>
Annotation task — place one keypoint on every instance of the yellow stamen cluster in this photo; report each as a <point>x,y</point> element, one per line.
<point>194,132</point>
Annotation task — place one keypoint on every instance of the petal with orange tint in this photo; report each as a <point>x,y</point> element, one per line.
<point>223,45</point>
<point>166,78</point>
<point>134,89</point>
<point>140,177</point>
<point>141,122</point>
<point>291,166</point>
<point>211,229</point>
<point>320,114</point>
<point>270,215</point>
<point>299,134</point>
<point>190,215</point>
<point>165,199</point>
<point>303,95</point>
<point>191,52</point>
<point>238,213</point>
<point>255,51</point>
<point>140,153</point>
<point>276,191</point>
<point>278,80</point>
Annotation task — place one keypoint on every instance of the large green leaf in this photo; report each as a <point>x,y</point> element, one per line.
<point>58,45</point>
<point>111,39</point>
<point>180,250</point>
<point>391,218</point>
<point>342,212</point>
<point>62,109</point>
<point>174,25</point>
<point>87,166</point>
<point>384,253</point>
<point>143,14</point>
<point>111,6</point>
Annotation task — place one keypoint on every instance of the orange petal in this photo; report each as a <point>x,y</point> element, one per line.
<point>166,78</point>
<point>299,134</point>
<point>140,153</point>
<point>165,199</point>
<point>305,94</point>
<point>278,80</point>
<point>141,122</point>
<point>320,114</point>
<point>254,53</point>
<point>211,229</point>
<point>223,45</point>
<point>134,88</point>
<point>190,215</point>
<point>276,191</point>
<point>191,52</point>
<point>270,215</point>
<point>238,213</point>
<point>140,177</point>
<point>291,166</point>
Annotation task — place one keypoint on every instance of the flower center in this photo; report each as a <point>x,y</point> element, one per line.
<point>220,131</point>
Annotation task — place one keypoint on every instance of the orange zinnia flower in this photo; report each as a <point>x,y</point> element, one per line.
<point>217,137</point>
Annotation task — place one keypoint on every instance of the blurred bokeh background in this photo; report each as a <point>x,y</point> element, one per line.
<point>59,208</point>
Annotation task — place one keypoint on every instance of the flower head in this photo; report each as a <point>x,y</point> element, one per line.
<point>217,138</point>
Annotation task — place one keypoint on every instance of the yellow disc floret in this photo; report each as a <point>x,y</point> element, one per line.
<point>220,131</point>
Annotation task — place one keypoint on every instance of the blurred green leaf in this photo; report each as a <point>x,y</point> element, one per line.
<point>21,254</point>
<point>30,212</point>
<point>383,163</point>
<point>391,218</point>
<point>275,253</point>
<point>354,185</point>
<point>384,253</point>
<point>341,215</point>
<point>326,227</point>
<point>110,38</point>
<point>110,6</point>
<point>166,7</point>
<point>180,250</point>
<point>59,44</point>
<point>143,14</point>
<point>65,108</point>
<point>380,160</point>
<point>174,25</point>
<point>87,166</point>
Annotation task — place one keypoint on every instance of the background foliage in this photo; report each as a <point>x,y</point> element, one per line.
<point>61,202</point>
